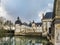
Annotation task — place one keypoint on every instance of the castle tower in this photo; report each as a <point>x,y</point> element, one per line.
<point>18,24</point>
<point>56,22</point>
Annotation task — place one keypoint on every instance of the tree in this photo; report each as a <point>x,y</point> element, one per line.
<point>1,22</point>
<point>1,26</point>
<point>8,23</point>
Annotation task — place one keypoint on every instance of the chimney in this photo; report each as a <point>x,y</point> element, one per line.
<point>42,15</point>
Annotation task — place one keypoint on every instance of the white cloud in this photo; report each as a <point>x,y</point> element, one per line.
<point>50,5</point>
<point>48,8</point>
<point>4,13</point>
<point>40,14</point>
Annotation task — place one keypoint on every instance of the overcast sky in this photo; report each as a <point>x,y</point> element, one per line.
<point>27,10</point>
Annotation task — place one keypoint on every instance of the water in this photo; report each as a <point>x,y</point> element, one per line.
<point>21,40</point>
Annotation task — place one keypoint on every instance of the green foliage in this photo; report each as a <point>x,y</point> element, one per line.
<point>2,32</point>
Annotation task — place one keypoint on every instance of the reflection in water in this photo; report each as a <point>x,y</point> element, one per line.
<point>20,40</point>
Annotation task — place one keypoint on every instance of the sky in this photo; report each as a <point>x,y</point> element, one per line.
<point>27,10</point>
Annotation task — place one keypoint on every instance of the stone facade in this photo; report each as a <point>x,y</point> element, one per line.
<point>27,29</point>
<point>56,21</point>
<point>46,20</point>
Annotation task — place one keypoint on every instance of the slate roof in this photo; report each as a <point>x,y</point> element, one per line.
<point>48,15</point>
<point>33,21</point>
<point>18,21</point>
<point>38,24</point>
<point>25,24</point>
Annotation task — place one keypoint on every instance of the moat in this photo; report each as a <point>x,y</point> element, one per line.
<point>23,40</point>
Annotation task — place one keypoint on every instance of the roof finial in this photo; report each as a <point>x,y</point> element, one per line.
<point>33,21</point>
<point>18,18</point>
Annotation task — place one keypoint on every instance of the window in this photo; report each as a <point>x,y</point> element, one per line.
<point>48,24</point>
